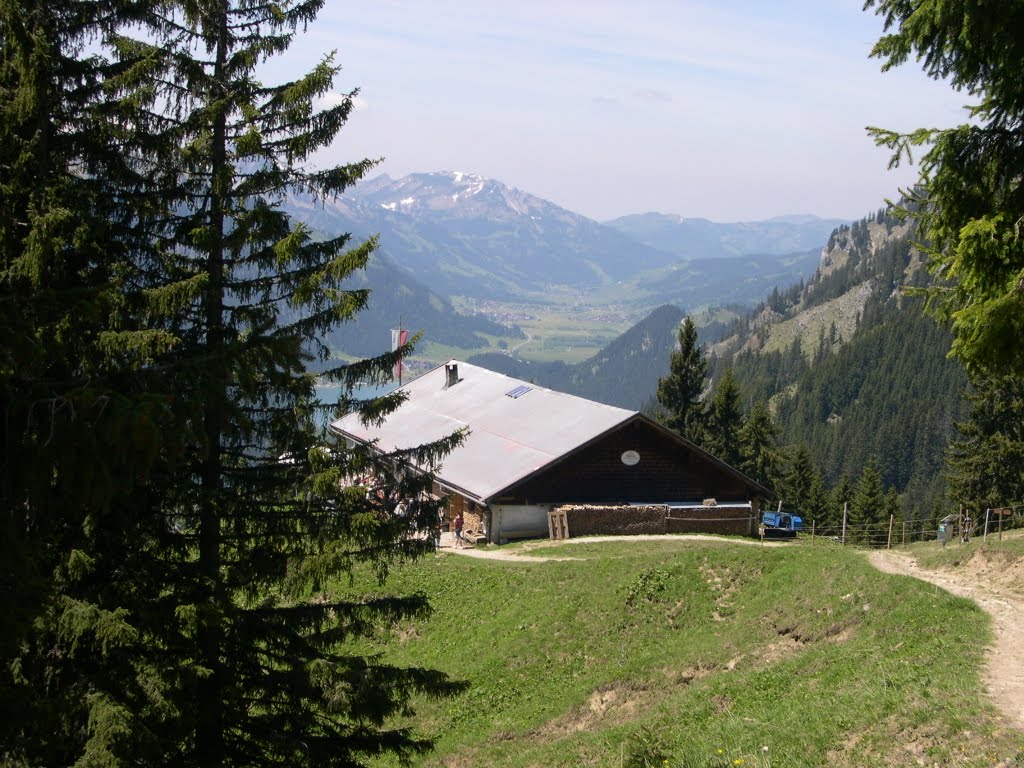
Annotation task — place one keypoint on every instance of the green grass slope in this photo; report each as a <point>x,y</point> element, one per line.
<point>689,653</point>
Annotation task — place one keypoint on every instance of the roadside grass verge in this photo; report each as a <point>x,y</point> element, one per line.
<point>695,653</point>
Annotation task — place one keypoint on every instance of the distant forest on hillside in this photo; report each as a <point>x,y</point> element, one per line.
<point>852,371</point>
<point>882,390</point>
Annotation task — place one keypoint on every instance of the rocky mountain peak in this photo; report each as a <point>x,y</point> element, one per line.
<point>448,193</point>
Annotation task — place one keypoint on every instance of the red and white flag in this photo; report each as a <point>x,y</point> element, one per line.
<point>399,336</point>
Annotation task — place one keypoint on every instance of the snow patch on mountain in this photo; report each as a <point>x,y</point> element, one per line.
<point>452,193</point>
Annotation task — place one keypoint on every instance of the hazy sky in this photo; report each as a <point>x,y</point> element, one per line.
<point>731,110</point>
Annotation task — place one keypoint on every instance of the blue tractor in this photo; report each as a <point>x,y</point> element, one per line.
<point>780,525</point>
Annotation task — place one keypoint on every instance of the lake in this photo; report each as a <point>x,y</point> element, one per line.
<point>330,393</point>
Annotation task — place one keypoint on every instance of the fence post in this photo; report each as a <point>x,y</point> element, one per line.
<point>889,543</point>
<point>984,536</point>
<point>812,531</point>
<point>843,540</point>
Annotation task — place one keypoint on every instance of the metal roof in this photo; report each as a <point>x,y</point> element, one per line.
<point>512,432</point>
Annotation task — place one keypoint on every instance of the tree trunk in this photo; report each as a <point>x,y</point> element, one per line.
<point>209,709</point>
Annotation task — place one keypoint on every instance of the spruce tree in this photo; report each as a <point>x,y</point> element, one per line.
<point>893,510</point>
<point>968,201</point>
<point>724,420</point>
<point>839,499</point>
<point>818,507</point>
<point>175,518</point>
<point>260,515</point>
<point>680,392</point>
<point>868,509</point>
<point>985,462</point>
<point>758,446</point>
<point>799,481</point>
<point>79,428</point>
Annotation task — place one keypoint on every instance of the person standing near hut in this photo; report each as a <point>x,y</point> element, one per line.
<point>458,530</point>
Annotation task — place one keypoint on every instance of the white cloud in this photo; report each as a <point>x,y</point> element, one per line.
<point>332,99</point>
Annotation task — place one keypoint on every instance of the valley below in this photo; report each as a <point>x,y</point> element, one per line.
<point>458,250</point>
<point>571,327</point>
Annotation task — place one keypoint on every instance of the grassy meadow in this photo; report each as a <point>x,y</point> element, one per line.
<point>693,653</point>
<point>562,326</point>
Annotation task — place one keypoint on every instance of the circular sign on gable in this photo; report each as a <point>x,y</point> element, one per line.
<point>630,458</point>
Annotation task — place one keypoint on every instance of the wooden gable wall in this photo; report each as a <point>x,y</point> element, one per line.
<point>667,471</point>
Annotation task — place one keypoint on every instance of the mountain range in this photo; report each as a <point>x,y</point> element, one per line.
<point>465,235</point>
<point>447,234</point>
<point>704,239</point>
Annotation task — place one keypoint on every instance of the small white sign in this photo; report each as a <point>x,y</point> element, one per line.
<point>630,458</point>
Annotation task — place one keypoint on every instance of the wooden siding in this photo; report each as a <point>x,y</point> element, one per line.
<point>667,471</point>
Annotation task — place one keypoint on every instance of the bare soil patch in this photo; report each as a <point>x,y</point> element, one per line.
<point>612,703</point>
<point>996,586</point>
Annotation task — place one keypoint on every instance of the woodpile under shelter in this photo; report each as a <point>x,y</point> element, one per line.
<point>537,462</point>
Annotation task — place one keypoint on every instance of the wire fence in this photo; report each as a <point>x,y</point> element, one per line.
<point>952,529</point>
<point>949,530</point>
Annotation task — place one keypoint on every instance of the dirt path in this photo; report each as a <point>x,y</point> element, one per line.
<point>1004,672</point>
<point>518,554</point>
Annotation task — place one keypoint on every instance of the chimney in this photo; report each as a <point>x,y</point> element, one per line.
<point>451,375</point>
